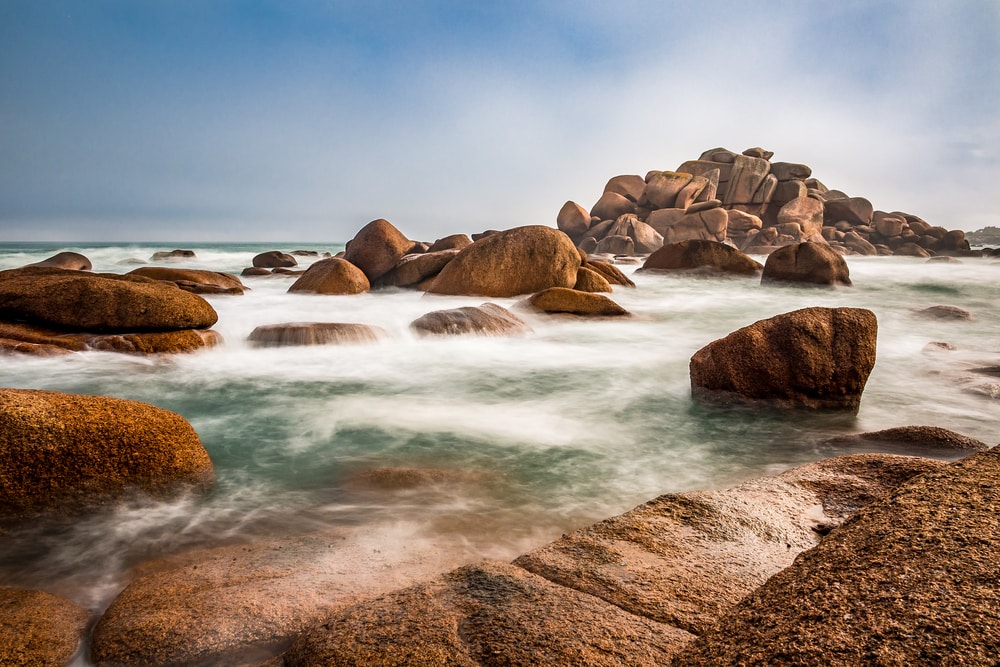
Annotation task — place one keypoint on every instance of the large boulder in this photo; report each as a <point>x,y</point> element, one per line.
<point>522,260</point>
<point>38,629</point>
<point>855,210</point>
<point>561,300</point>
<point>929,440</point>
<point>611,205</point>
<point>73,261</point>
<point>62,451</point>
<point>100,302</point>
<point>376,248</point>
<point>709,224</point>
<point>331,276</point>
<point>314,333</point>
<point>488,319</point>
<point>42,341</point>
<point>806,212</point>
<point>193,280</point>
<point>662,188</point>
<point>808,263</point>
<point>588,280</point>
<point>453,242</point>
<point>274,259</point>
<point>416,268</point>
<point>710,256</point>
<point>171,255</point>
<point>912,579</point>
<point>573,219</point>
<point>817,358</point>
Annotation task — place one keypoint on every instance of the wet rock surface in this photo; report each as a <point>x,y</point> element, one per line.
<point>38,629</point>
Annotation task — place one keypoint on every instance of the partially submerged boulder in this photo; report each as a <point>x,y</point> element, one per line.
<point>928,440</point>
<point>817,358</point>
<point>562,300</point>
<point>522,260</point>
<point>72,261</point>
<point>807,263</point>
<point>589,280</point>
<point>377,248</point>
<point>314,333</point>
<point>414,269</point>
<point>488,319</point>
<point>43,341</point>
<point>62,452</point>
<point>273,259</point>
<point>331,276</point>
<point>193,280</point>
<point>610,272</point>
<point>703,256</point>
<point>171,255</point>
<point>38,629</point>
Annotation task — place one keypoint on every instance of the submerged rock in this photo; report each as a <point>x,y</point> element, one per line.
<point>808,263</point>
<point>924,438</point>
<point>72,261</point>
<point>377,248</point>
<point>561,300</point>
<point>945,313</point>
<point>701,255</point>
<point>314,333</point>
<point>170,255</point>
<point>488,319</point>
<point>42,341</point>
<point>332,276</point>
<point>274,259</point>
<point>38,629</point>
<point>817,358</point>
<point>193,280</point>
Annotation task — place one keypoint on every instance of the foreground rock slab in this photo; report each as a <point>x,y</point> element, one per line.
<point>488,319</point>
<point>62,452</point>
<point>912,579</point>
<point>38,629</point>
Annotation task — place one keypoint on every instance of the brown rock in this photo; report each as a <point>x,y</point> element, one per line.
<point>859,244</point>
<point>786,171</point>
<point>488,319</point>
<point>100,302</point>
<point>611,205</point>
<point>414,269</point>
<point>912,579</point>
<point>738,221</point>
<point>38,629</point>
<point>700,255</point>
<point>255,271</point>
<point>804,211</point>
<point>810,263</point>
<point>817,358</point>
<point>708,224</point>
<point>61,451</point>
<point>41,341</point>
<point>588,280</point>
<point>615,244</point>
<point>749,174</point>
<point>453,242</point>
<point>522,260</point>
<point>572,302</point>
<point>691,192</point>
<point>274,259</point>
<point>331,276</point>
<point>926,440</point>
<point>72,261</point>
<point>193,280</point>
<point>573,219</point>
<point>662,189</point>
<point>855,210</point>
<point>888,225</point>
<point>486,614</point>
<point>911,250</point>
<point>377,248</point>
<point>171,255</point>
<point>314,333</point>
<point>610,272</point>
<point>629,186</point>
<point>945,313</point>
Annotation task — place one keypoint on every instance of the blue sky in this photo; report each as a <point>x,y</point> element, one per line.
<point>302,120</point>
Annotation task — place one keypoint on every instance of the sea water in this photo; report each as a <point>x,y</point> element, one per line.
<point>546,432</point>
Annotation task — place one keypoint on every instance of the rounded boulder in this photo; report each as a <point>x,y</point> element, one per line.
<point>377,248</point>
<point>560,300</point>
<point>696,254</point>
<point>38,628</point>
<point>809,263</point>
<point>332,276</point>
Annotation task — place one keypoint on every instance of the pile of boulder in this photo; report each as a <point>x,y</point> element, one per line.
<point>751,202</point>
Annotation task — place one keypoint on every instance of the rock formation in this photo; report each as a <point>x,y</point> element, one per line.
<point>38,629</point>
<point>314,333</point>
<point>488,319</point>
<point>193,280</point>
<point>808,263</point>
<point>701,256</point>
<point>331,276</point>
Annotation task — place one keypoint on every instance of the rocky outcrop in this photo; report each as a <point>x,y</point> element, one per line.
<point>911,579</point>
<point>816,358</point>
<point>517,261</point>
<point>62,452</point>
<point>331,276</point>
<point>38,629</point>
<point>488,319</point>
<point>564,301</point>
<point>72,261</point>
<point>193,280</point>
<point>702,256</point>
<point>377,248</point>
<point>806,263</point>
<point>314,333</point>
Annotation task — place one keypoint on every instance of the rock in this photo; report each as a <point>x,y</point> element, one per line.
<point>314,333</point>
<point>911,250</point>
<point>738,221</point>
<point>912,579</point>
<point>273,259</point>
<point>32,339</point>
<point>855,210</point>
<point>926,440</point>
<point>662,189</point>
<point>810,263</point>
<point>169,255</point>
<point>193,280</point>
<point>615,245</point>
<point>282,271</point>
<point>377,248</point>
<point>38,629</point>
<point>522,260</point>
<point>453,242</point>
<point>749,174</point>
<point>488,319</point>
<point>707,225</point>
<point>629,186</point>
<point>888,225</point>
<point>645,239</point>
<point>816,358</point>
<point>304,253</point>
<point>484,614</point>
<point>72,261</point>
<point>331,276</point>
<point>572,302</point>
<point>703,256</point>
<point>610,272</point>
<point>945,313</point>
<point>573,219</point>
<point>414,269</point>
<point>255,271</point>
<point>611,205</point>
<point>806,212</point>
<point>859,244</point>
<point>99,302</point>
<point>62,452</point>
<point>692,192</point>
<point>786,171</point>
<point>588,280</point>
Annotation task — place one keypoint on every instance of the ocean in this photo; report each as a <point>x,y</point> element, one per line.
<point>539,434</point>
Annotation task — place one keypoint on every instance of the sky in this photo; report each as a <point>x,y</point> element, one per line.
<point>302,120</point>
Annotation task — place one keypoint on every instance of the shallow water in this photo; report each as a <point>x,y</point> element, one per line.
<point>576,422</point>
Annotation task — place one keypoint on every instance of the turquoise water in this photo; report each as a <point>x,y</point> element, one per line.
<point>575,422</point>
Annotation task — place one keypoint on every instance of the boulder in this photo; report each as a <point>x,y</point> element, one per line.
<point>573,219</point>
<point>610,272</point>
<point>377,248</point>
<point>170,255</point>
<point>888,225</point>
<point>522,260</point>
<point>662,188</point>
<point>786,171</point>
<point>615,244</point>
<point>38,629</point>
<point>945,313</point>
<point>193,280</point>
<point>273,259</point>
<point>859,244</point>
<point>588,280</point>
<point>611,205</point>
<point>710,256</point>
<point>809,263</point>
<point>453,242</point>
<point>701,224</point>
<point>815,358</point>
<point>855,210</point>
<point>99,302</point>
<point>645,239</point>
<point>41,341</point>
<point>911,250</point>
<point>911,579</point>
<point>414,269</point>
<point>331,276</point>
<point>488,319</point>
<point>692,192</point>
<point>62,452</point>
<point>72,261</point>
<point>738,221</point>
<point>928,440</point>
<point>749,174</point>
<point>255,271</point>
<point>314,333</point>
<point>572,302</point>
<point>629,186</point>
<point>804,211</point>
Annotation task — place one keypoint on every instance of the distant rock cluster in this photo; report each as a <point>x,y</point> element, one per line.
<point>750,202</point>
